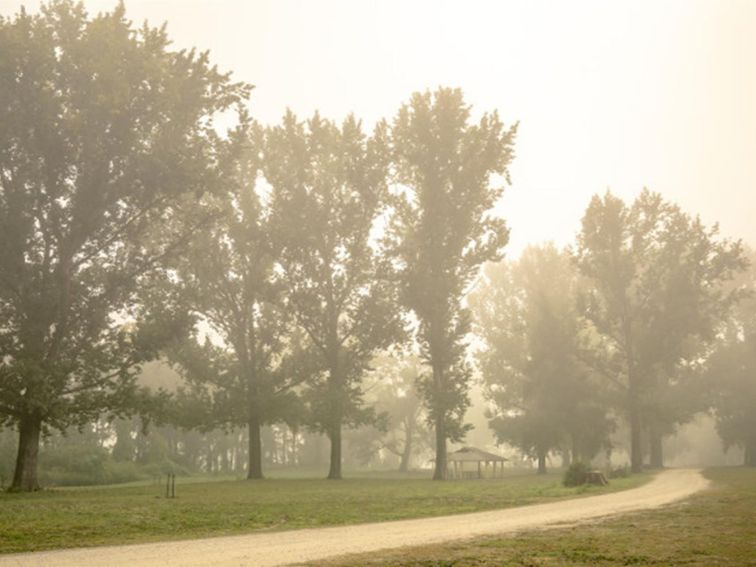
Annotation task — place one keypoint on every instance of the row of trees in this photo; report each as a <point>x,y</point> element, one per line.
<point>263,262</point>
<point>636,320</point>
<point>272,265</point>
<point>125,451</point>
<point>130,449</point>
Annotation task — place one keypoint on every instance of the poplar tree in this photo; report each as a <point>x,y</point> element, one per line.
<point>449,172</point>
<point>327,191</point>
<point>227,282</point>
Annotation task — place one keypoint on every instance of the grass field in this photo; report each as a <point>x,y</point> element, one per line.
<point>133,513</point>
<point>716,527</point>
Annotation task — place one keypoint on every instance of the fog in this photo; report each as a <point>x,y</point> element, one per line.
<point>366,236</point>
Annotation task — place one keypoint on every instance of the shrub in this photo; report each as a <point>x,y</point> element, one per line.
<point>576,474</point>
<point>72,465</point>
<point>164,466</point>
<point>69,465</point>
<point>120,472</point>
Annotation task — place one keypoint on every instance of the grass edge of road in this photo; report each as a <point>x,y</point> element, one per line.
<point>61,518</point>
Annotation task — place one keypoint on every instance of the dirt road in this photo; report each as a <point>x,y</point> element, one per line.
<point>291,547</point>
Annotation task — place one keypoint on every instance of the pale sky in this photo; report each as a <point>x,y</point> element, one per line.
<point>609,94</point>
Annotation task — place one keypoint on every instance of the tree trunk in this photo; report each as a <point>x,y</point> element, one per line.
<point>404,462</point>
<point>566,458</point>
<point>440,471</point>
<point>749,456</point>
<point>542,463</point>
<point>334,472</point>
<point>284,447</point>
<point>636,449</point>
<point>294,449</point>
<point>656,449</point>
<point>576,456</point>
<point>254,466</point>
<point>209,456</point>
<point>25,475</point>
<point>336,391</point>
<point>407,452</point>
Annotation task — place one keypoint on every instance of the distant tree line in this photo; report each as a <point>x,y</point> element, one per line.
<point>274,267</point>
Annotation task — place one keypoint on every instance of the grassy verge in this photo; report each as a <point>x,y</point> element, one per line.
<point>136,513</point>
<point>716,527</point>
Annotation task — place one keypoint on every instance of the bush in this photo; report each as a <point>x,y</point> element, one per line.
<point>164,466</point>
<point>120,472</point>
<point>576,474</point>
<point>69,465</point>
<point>73,465</point>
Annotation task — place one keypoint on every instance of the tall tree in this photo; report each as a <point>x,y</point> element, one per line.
<point>104,135</point>
<point>545,396</point>
<point>731,371</point>
<point>449,174</point>
<point>228,282</point>
<point>328,189</point>
<point>658,277</point>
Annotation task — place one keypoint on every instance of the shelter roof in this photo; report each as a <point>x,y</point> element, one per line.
<point>467,454</point>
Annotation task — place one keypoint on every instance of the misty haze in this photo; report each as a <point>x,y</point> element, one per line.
<point>422,283</point>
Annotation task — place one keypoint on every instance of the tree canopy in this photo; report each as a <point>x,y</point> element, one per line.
<point>658,275</point>
<point>535,369</point>
<point>145,216</point>
<point>328,187</point>
<point>106,136</point>
<point>449,173</point>
<point>731,370</point>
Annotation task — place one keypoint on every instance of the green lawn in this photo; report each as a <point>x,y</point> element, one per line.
<point>716,527</point>
<point>131,513</point>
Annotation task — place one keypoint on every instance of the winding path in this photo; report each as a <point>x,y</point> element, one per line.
<point>296,546</point>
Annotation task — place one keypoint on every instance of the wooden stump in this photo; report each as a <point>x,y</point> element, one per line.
<point>596,477</point>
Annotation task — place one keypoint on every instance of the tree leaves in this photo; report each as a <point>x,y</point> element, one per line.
<point>103,131</point>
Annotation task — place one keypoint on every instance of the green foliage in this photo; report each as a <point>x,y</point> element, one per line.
<point>658,275</point>
<point>328,190</point>
<point>576,474</point>
<point>68,465</point>
<point>535,362</point>
<point>449,174</point>
<point>270,265</point>
<point>731,370</point>
<point>105,135</point>
<point>89,466</point>
<point>228,282</point>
